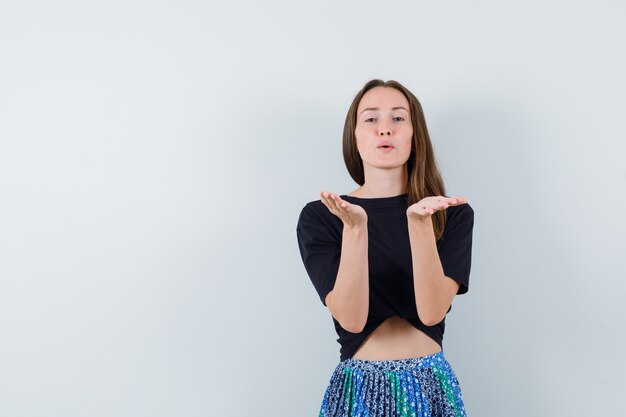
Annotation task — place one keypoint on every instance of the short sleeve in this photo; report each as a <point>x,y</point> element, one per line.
<point>320,250</point>
<point>455,245</point>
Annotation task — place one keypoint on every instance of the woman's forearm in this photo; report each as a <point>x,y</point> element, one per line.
<point>349,299</point>
<point>431,293</point>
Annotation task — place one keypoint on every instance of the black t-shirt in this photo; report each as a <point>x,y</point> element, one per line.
<point>391,290</point>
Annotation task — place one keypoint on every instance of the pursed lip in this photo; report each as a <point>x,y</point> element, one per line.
<point>381,144</point>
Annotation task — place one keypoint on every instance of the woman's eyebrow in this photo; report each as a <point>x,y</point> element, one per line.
<point>378,108</point>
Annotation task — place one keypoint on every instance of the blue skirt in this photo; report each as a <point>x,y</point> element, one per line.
<point>424,386</point>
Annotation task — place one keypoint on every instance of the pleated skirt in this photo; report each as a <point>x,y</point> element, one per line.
<point>424,386</point>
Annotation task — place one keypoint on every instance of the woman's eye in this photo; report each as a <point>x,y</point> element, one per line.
<point>395,118</point>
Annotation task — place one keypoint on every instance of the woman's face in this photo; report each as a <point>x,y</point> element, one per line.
<point>383,116</point>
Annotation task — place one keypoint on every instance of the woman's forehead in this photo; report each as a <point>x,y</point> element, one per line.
<point>383,97</point>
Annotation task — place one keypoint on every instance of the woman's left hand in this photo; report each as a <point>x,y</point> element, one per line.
<point>424,208</point>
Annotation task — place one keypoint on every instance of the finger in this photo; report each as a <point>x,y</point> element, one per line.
<point>326,195</point>
<point>330,199</point>
<point>447,202</point>
<point>338,202</point>
<point>459,200</point>
<point>436,207</point>
<point>326,200</point>
<point>342,203</point>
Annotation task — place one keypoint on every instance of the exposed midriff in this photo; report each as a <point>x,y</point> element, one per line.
<point>396,338</point>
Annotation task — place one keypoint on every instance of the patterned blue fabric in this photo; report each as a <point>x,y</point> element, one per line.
<point>424,386</point>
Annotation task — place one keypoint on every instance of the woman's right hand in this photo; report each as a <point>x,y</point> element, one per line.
<point>351,215</point>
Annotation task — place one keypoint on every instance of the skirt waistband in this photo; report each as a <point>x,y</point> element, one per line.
<point>395,364</point>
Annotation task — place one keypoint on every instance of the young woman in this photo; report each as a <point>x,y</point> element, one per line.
<point>387,260</point>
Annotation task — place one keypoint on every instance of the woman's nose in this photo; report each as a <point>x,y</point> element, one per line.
<point>384,131</point>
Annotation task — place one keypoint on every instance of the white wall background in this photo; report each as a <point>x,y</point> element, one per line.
<point>154,157</point>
